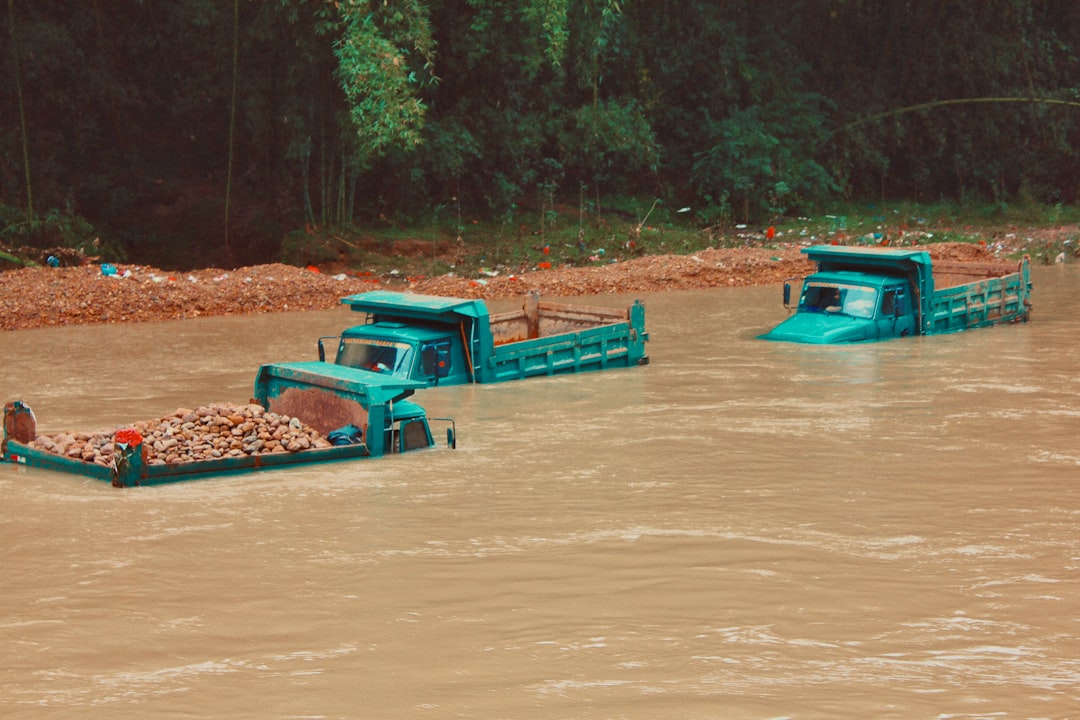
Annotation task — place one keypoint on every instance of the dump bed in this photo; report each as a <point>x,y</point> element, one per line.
<point>972,295</point>
<point>182,446</point>
<point>538,318</point>
<point>134,471</point>
<point>547,338</point>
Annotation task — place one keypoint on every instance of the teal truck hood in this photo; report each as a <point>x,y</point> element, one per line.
<point>821,329</point>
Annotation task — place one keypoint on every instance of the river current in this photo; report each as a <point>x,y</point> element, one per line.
<point>740,529</point>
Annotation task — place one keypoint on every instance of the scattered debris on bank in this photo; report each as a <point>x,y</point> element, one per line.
<point>35,297</point>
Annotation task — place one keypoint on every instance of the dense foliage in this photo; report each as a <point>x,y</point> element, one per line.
<point>202,131</point>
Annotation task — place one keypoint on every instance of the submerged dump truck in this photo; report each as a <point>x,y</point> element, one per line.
<point>865,294</point>
<point>301,413</point>
<point>449,341</point>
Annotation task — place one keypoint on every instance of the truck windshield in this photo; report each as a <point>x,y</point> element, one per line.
<point>853,300</point>
<point>378,355</point>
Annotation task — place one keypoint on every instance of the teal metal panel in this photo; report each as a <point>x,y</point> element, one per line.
<point>134,472</point>
<point>638,335</point>
<point>915,265</point>
<point>466,319</point>
<point>981,304</point>
<point>19,454</point>
<point>592,349</point>
<point>341,386</point>
<point>865,255</point>
<point>366,387</point>
<point>388,303</point>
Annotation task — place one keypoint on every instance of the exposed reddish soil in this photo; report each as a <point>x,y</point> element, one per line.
<point>44,296</point>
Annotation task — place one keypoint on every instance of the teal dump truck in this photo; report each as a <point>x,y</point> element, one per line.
<point>449,341</point>
<point>866,294</point>
<point>301,413</point>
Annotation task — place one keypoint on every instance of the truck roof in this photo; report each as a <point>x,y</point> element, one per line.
<point>408,333</point>
<point>832,251</point>
<point>412,305</point>
<point>853,277</point>
<point>868,259</point>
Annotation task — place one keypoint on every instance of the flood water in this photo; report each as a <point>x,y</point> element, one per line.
<point>740,529</point>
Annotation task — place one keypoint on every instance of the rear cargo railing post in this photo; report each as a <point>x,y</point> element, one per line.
<point>532,315</point>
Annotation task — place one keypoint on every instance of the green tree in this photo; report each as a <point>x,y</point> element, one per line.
<point>145,124</point>
<point>928,52</point>
<point>381,56</point>
<point>16,75</point>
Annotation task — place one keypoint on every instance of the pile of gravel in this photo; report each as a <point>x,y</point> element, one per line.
<point>208,433</point>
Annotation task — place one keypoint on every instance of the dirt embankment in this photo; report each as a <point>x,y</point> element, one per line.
<point>45,296</point>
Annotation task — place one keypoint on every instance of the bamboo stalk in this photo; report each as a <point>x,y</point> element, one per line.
<point>954,101</point>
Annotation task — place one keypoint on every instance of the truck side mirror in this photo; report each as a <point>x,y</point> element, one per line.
<point>322,347</point>
<point>451,438</point>
<point>787,294</point>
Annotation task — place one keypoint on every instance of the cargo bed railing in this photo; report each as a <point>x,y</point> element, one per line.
<point>538,319</point>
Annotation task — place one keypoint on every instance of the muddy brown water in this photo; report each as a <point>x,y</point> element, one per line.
<point>740,529</point>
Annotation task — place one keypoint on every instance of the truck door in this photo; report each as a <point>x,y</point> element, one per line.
<point>435,360</point>
<point>414,435</point>
<point>895,318</point>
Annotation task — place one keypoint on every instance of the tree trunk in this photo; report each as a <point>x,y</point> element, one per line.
<point>232,129</point>
<point>30,215</point>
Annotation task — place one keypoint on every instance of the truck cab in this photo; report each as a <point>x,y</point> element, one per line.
<point>406,336</point>
<point>409,352</point>
<point>409,429</point>
<point>332,398</point>
<point>846,306</point>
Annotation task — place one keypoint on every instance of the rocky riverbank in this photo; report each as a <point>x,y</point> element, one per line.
<point>46,296</point>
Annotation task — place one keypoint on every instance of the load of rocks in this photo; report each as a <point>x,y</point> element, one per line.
<point>211,432</point>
